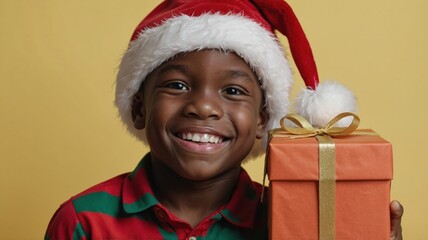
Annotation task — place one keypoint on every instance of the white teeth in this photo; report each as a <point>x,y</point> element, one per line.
<point>205,138</point>
<point>196,138</point>
<point>201,137</point>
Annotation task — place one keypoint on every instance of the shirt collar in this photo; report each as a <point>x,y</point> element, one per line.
<point>137,196</point>
<point>242,207</point>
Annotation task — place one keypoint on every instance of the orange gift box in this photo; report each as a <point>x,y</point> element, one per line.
<point>363,180</point>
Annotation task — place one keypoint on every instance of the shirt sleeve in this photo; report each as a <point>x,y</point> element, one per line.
<point>65,224</point>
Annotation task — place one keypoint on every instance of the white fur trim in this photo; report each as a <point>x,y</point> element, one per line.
<point>256,45</point>
<point>326,102</point>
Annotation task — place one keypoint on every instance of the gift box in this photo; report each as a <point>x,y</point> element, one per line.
<point>363,173</point>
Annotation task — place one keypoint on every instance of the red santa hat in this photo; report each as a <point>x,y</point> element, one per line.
<point>244,27</point>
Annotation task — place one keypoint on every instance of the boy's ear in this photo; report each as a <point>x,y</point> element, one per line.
<point>262,122</point>
<point>137,111</point>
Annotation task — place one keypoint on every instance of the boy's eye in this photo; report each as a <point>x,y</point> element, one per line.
<point>233,91</point>
<point>176,85</point>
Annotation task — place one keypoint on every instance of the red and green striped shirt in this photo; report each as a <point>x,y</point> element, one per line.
<point>125,207</point>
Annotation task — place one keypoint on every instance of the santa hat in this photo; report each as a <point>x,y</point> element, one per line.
<point>245,28</point>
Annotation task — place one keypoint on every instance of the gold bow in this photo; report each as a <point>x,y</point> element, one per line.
<point>305,129</point>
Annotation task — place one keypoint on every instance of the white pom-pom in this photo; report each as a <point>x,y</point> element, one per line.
<point>326,102</point>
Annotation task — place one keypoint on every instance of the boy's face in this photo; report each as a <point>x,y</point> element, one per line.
<point>202,112</point>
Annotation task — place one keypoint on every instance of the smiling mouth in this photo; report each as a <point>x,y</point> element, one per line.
<point>201,137</point>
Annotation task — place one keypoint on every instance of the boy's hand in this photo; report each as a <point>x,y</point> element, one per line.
<point>396,210</point>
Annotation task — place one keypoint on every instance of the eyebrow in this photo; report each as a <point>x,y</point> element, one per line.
<point>171,68</point>
<point>241,74</point>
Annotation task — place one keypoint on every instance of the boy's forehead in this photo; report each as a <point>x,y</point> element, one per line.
<point>194,57</point>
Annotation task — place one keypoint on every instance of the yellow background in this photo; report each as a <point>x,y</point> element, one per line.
<point>59,130</point>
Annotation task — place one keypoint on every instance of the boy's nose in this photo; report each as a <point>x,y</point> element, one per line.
<point>204,105</point>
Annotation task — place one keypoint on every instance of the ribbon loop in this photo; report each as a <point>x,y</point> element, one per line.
<point>305,129</point>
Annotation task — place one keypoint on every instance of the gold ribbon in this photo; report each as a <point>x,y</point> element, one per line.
<point>327,161</point>
<point>304,129</point>
<point>326,187</point>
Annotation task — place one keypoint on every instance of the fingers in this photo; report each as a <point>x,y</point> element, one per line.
<point>396,211</point>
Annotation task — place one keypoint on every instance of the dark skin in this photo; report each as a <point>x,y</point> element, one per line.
<point>213,96</point>
<point>396,210</point>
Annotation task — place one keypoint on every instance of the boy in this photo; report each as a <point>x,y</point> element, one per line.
<point>201,82</point>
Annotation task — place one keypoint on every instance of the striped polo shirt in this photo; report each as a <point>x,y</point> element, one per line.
<point>125,207</point>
